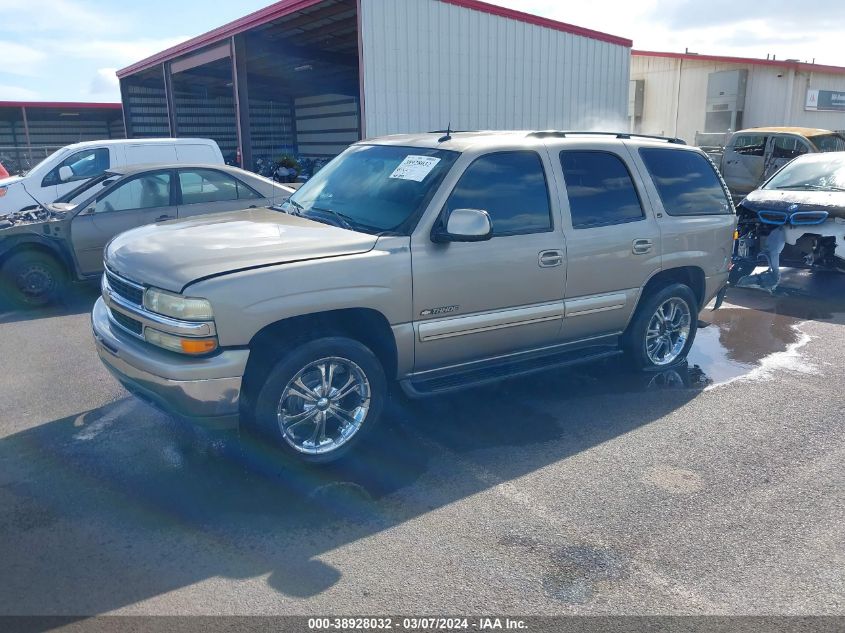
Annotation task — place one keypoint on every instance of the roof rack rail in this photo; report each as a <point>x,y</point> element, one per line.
<point>620,135</point>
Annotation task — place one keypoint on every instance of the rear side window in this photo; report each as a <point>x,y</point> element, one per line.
<point>686,182</point>
<point>206,185</point>
<point>788,147</point>
<point>511,187</point>
<point>600,189</point>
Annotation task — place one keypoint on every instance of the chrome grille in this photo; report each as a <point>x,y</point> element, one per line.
<point>124,289</point>
<point>127,322</point>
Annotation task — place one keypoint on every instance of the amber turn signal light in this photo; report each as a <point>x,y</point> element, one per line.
<point>198,345</point>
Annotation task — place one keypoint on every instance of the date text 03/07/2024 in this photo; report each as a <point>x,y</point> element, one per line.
<point>417,624</point>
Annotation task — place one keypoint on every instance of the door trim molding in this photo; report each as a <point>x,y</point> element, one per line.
<point>596,303</point>
<point>486,321</point>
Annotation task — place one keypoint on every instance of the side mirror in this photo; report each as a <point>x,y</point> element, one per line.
<point>464,225</point>
<point>88,211</point>
<point>65,173</point>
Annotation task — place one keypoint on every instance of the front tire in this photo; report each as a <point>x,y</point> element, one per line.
<point>321,399</point>
<point>663,329</point>
<point>34,279</point>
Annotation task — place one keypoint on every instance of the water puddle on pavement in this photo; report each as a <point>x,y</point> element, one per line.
<point>757,335</point>
<point>738,340</point>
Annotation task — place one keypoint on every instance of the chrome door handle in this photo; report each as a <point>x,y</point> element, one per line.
<point>641,247</point>
<point>550,259</point>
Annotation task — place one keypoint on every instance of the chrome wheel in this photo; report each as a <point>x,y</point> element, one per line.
<point>668,331</point>
<point>324,405</point>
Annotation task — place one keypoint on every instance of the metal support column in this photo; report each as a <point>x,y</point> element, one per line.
<point>169,99</point>
<point>17,147</point>
<point>26,134</point>
<point>240,88</point>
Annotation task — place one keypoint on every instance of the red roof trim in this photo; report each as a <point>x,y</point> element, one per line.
<point>822,68</point>
<point>530,18</point>
<point>257,18</point>
<point>60,104</point>
<point>286,7</point>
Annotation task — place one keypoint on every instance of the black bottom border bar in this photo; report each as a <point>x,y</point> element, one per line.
<point>524,624</point>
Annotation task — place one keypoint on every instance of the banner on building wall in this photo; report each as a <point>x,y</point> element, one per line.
<point>828,100</point>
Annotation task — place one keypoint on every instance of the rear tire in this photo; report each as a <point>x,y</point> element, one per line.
<point>663,328</point>
<point>34,279</point>
<point>320,399</point>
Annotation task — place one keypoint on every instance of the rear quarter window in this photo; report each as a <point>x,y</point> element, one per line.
<point>686,182</point>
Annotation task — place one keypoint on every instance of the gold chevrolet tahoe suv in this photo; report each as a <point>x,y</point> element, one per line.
<point>440,261</point>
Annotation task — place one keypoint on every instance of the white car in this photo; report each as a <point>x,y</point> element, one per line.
<point>67,168</point>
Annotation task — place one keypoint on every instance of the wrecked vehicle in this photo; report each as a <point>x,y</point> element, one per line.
<point>753,155</point>
<point>67,168</point>
<point>43,249</point>
<point>436,261</point>
<point>796,219</point>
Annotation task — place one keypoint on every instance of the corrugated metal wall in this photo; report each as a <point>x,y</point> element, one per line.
<point>768,101</point>
<point>427,64</point>
<point>48,133</point>
<point>326,124</point>
<point>145,108</point>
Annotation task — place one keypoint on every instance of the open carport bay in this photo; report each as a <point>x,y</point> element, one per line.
<point>716,489</point>
<point>287,86</point>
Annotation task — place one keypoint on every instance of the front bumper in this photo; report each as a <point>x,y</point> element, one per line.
<point>205,390</point>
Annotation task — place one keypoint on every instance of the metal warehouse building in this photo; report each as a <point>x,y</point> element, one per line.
<point>29,130</point>
<point>311,76</point>
<point>687,94</point>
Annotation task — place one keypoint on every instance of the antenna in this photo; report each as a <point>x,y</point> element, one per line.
<point>448,136</point>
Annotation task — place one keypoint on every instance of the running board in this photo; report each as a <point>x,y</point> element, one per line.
<point>489,373</point>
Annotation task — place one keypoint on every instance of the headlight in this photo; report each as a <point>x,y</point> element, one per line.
<point>180,344</point>
<point>176,306</point>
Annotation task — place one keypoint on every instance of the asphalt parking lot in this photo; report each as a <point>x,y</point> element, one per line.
<point>717,488</point>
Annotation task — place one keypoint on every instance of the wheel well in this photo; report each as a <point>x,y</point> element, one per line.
<point>364,325</point>
<point>691,276</point>
<point>33,247</point>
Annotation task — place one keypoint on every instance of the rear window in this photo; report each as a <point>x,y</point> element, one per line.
<point>599,188</point>
<point>686,182</point>
<point>829,143</point>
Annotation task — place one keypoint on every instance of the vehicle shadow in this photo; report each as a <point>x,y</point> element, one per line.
<point>801,294</point>
<point>78,298</point>
<point>120,504</point>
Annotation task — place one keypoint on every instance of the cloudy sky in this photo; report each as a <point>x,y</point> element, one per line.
<point>68,50</point>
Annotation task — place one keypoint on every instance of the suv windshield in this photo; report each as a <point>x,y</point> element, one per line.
<point>372,188</point>
<point>829,143</point>
<point>815,172</point>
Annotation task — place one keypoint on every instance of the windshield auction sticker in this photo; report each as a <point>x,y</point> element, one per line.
<point>415,168</point>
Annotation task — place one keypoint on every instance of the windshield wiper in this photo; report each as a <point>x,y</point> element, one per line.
<point>344,220</point>
<point>812,187</point>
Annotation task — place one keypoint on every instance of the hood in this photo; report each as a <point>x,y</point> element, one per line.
<point>11,180</point>
<point>783,199</point>
<point>14,197</point>
<point>172,254</point>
